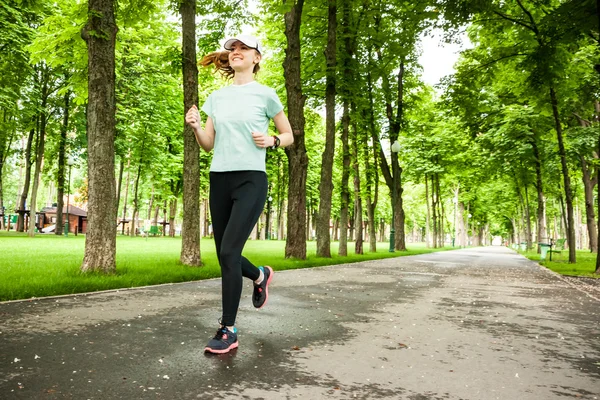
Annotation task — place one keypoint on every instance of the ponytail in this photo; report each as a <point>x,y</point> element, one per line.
<point>220,59</point>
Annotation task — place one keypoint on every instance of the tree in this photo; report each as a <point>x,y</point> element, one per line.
<point>297,160</point>
<point>190,247</point>
<point>326,181</point>
<point>100,35</point>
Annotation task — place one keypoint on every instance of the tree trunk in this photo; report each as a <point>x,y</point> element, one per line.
<point>566,178</point>
<point>372,173</point>
<point>597,67</point>
<point>120,181</point>
<point>136,201</point>
<point>190,245</point>
<point>39,157</point>
<point>5,146</point>
<point>126,194</point>
<point>100,34</point>
<point>441,213</point>
<point>428,216</point>
<point>344,193</point>
<point>393,178</point>
<point>542,234</point>
<point>589,181</point>
<point>326,183</point>
<point>23,199</point>
<point>60,179</point>
<point>297,159</point>
<point>172,213</point>
<point>528,219</point>
<point>358,210</point>
<point>460,230</point>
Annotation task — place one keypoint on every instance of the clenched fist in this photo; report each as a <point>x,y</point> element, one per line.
<point>261,140</point>
<point>192,118</point>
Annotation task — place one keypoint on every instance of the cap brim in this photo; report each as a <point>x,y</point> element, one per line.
<point>229,43</point>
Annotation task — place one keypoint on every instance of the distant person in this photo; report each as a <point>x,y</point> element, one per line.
<point>236,127</point>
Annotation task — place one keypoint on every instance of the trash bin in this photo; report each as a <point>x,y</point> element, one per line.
<point>544,247</point>
<point>523,246</point>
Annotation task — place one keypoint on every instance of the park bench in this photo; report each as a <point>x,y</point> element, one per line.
<point>556,246</point>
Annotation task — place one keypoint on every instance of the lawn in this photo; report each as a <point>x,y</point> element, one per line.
<point>585,265</point>
<point>48,265</point>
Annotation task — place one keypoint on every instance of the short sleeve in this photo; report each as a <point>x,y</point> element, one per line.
<point>208,106</point>
<point>274,105</point>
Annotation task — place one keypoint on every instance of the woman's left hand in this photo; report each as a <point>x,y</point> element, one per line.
<point>263,141</point>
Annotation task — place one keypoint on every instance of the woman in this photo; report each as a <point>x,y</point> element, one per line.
<point>236,126</point>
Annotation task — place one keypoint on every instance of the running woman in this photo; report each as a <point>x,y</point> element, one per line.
<point>236,127</point>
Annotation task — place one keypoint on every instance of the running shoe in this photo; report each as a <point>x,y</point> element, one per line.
<point>223,342</point>
<point>261,292</point>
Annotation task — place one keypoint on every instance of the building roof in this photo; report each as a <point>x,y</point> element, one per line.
<point>73,210</point>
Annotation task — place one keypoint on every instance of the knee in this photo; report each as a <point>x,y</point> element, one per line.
<point>229,260</point>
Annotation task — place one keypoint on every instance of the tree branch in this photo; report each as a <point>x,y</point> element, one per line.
<point>495,61</point>
<point>516,21</point>
<point>533,24</point>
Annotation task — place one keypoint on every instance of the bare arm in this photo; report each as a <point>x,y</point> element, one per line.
<point>285,135</point>
<point>205,137</point>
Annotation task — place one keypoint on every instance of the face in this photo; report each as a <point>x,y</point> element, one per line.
<point>242,57</point>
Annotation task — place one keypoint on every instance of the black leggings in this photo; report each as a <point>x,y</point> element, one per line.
<point>237,199</point>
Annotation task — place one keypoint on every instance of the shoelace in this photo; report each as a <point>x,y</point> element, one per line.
<point>220,333</point>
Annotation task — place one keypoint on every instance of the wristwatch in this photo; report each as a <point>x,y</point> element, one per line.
<point>275,143</point>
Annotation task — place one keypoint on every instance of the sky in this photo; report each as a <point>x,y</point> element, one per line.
<point>438,58</point>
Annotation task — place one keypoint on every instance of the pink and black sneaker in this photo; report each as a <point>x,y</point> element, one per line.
<point>261,291</point>
<point>223,342</point>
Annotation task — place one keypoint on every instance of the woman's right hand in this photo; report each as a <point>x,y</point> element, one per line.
<point>192,118</point>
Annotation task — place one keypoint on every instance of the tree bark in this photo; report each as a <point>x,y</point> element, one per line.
<point>120,181</point>
<point>393,178</point>
<point>23,199</point>
<point>460,230</point>
<point>326,183</point>
<point>528,219</point>
<point>358,209</point>
<point>372,173</point>
<point>567,181</point>
<point>5,146</point>
<point>172,213</point>
<point>39,157</point>
<point>589,181</point>
<point>62,157</point>
<point>100,34</point>
<point>190,230</point>
<point>428,216</point>
<point>297,158</point>
<point>344,193</point>
<point>126,193</point>
<point>136,206</point>
<point>542,234</point>
<point>441,213</point>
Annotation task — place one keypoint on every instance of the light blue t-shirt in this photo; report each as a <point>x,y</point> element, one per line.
<point>237,111</point>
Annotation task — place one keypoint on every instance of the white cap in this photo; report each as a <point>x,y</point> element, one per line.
<point>248,40</point>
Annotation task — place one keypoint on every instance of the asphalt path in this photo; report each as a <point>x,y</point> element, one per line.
<point>483,323</point>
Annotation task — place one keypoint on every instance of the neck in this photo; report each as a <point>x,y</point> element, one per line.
<point>243,77</point>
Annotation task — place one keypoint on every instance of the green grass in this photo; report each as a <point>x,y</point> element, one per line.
<point>48,265</point>
<point>585,265</point>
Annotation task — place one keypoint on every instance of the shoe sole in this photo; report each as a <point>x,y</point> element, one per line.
<point>267,288</point>
<point>227,350</point>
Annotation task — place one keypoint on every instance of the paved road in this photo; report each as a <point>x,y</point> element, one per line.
<point>481,323</point>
